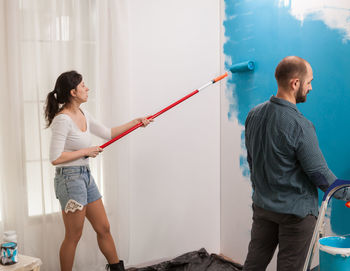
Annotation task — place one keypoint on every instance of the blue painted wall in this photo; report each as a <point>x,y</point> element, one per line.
<point>266,32</point>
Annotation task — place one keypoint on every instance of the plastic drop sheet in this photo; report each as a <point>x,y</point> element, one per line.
<point>193,261</point>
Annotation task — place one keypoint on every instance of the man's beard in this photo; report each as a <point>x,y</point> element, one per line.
<point>300,98</point>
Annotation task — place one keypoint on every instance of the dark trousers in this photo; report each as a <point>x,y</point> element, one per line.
<point>291,233</point>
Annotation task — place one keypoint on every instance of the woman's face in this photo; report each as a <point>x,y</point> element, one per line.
<point>80,94</point>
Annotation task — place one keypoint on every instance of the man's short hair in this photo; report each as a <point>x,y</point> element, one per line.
<point>290,67</point>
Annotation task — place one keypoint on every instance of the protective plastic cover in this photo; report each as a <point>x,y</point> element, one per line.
<point>193,261</point>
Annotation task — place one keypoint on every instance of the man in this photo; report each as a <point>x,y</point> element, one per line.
<point>286,166</point>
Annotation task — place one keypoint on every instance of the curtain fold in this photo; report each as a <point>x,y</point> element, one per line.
<point>114,104</point>
<point>12,177</point>
<point>39,39</point>
<point>3,109</point>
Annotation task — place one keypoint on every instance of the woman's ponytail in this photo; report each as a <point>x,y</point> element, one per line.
<point>51,108</point>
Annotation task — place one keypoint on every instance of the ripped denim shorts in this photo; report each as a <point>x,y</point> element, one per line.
<point>75,187</point>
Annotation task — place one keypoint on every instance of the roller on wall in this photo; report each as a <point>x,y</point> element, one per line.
<point>243,67</point>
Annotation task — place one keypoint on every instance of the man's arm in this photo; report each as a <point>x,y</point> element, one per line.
<point>313,162</point>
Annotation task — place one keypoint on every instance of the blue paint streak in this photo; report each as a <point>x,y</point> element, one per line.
<point>264,32</point>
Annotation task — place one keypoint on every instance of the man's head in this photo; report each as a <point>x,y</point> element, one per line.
<point>294,76</point>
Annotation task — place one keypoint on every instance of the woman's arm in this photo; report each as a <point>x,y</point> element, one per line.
<point>74,155</point>
<point>102,131</point>
<point>122,128</point>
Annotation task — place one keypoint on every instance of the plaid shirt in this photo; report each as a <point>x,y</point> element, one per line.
<point>285,160</point>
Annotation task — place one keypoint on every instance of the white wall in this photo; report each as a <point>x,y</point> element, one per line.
<point>236,191</point>
<point>175,163</point>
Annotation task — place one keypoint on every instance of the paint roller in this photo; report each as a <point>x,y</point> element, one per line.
<point>247,66</point>
<point>243,67</point>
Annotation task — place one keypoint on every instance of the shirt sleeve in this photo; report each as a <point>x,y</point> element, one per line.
<point>60,129</point>
<point>313,162</point>
<point>98,129</point>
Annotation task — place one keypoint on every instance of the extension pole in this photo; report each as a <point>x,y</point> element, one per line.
<point>165,109</point>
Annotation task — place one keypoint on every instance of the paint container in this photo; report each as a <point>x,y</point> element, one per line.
<point>334,253</point>
<point>8,253</point>
<point>9,248</point>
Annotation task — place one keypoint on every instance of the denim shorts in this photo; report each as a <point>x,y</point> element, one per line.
<point>75,187</point>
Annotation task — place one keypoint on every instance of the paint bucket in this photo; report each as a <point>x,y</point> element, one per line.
<point>8,253</point>
<point>335,253</point>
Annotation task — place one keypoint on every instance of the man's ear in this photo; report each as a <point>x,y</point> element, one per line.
<point>294,83</point>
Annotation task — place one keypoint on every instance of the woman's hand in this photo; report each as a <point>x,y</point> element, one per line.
<point>93,151</point>
<point>145,121</point>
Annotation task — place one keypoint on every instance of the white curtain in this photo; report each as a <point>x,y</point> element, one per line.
<point>114,104</point>
<point>39,39</point>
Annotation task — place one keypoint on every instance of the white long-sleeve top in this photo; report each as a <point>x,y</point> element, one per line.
<point>67,137</point>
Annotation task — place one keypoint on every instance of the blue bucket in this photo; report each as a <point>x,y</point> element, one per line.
<point>335,253</point>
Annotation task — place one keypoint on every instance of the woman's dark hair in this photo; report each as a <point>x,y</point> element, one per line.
<point>61,94</point>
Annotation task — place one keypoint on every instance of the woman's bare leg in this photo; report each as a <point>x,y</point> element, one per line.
<point>74,223</point>
<point>96,214</point>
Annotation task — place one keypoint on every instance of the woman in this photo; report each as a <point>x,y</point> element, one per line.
<point>74,186</point>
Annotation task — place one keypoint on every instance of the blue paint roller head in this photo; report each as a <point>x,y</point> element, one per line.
<point>243,67</point>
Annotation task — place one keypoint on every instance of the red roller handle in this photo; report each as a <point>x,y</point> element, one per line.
<point>164,110</point>
<point>150,117</point>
